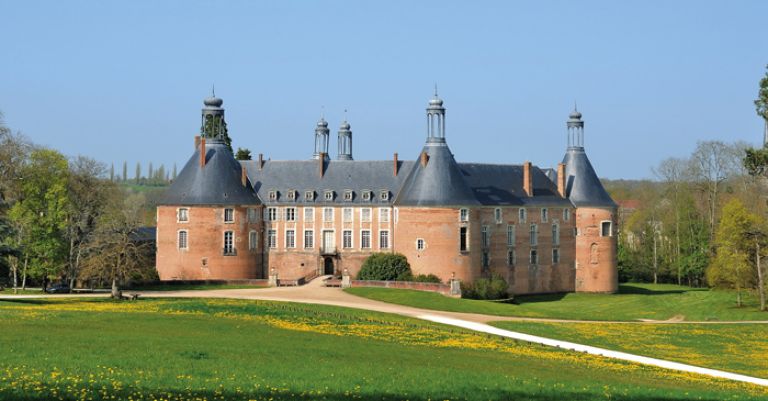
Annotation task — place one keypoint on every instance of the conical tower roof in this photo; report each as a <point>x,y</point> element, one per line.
<point>582,186</point>
<point>218,182</point>
<point>438,183</point>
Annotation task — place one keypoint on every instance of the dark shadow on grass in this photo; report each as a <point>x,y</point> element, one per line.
<point>528,299</point>
<point>633,289</point>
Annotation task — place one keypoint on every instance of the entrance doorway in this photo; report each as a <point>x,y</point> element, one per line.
<point>328,266</point>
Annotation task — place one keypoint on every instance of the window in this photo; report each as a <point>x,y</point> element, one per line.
<point>366,195</point>
<point>253,239</point>
<point>329,195</point>
<point>521,215</point>
<point>273,195</point>
<point>290,214</point>
<point>290,239</point>
<point>383,239</point>
<point>383,215</point>
<point>309,214</point>
<point>486,237</point>
<point>183,237</point>
<point>534,257</point>
<point>229,243</point>
<point>346,239</point>
<point>348,195</point>
<point>346,215</point>
<point>272,239</point>
<point>497,215</point>
<point>605,229</point>
<point>183,215</point>
<point>309,239</point>
<point>463,244</point>
<point>544,215</point>
<point>420,244</point>
<point>365,239</point>
<point>486,260</point>
<point>271,214</point>
<point>291,195</point>
<point>327,214</point>
<point>534,235</point>
<point>555,234</point>
<point>309,196</point>
<point>463,214</point>
<point>555,256</point>
<point>384,195</point>
<point>253,217</point>
<point>511,257</point>
<point>229,215</point>
<point>510,235</point>
<point>365,215</point>
<point>566,214</point>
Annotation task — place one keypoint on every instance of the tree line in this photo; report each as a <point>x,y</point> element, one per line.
<point>153,177</point>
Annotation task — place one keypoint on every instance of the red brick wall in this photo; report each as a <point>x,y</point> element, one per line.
<point>596,264</point>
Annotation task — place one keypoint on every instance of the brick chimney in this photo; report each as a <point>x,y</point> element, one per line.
<point>202,152</point>
<point>243,175</point>
<point>424,159</point>
<point>321,164</point>
<point>394,165</point>
<point>527,179</point>
<point>561,179</point>
<point>197,141</point>
<point>261,161</point>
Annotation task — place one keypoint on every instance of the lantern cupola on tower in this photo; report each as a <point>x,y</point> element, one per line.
<point>213,126</point>
<point>435,120</point>
<point>321,139</point>
<point>345,141</point>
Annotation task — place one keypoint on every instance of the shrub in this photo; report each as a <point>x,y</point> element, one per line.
<point>385,266</point>
<point>494,287</point>
<point>426,278</point>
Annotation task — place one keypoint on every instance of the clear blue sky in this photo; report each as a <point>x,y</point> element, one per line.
<point>125,80</point>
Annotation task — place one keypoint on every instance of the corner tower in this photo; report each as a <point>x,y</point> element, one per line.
<point>596,216</point>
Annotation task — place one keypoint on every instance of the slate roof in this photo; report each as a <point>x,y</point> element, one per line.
<point>218,183</point>
<point>583,187</point>
<point>502,185</point>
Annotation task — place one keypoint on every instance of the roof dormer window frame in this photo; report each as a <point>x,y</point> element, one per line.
<point>328,194</point>
<point>384,195</point>
<point>273,195</point>
<point>309,196</point>
<point>366,195</point>
<point>291,194</point>
<point>349,195</point>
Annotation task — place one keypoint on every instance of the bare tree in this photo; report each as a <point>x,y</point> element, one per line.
<point>711,164</point>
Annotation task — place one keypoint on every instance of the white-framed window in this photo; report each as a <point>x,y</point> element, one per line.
<point>329,195</point>
<point>229,215</point>
<point>253,215</point>
<point>309,239</point>
<point>272,195</point>
<point>522,215</point>
<point>346,239</point>
<point>555,256</point>
<point>291,195</point>
<point>272,239</point>
<point>182,215</point>
<point>309,196</point>
<point>229,242</point>
<point>606,228</point>
<point>183,240</point>
<point>511,257</point>
<point>463,214</point>
<point>534,257</point>
<point>497,215</point>
<point>544,215</point>
<point>290,214</point>
<point>347,215</point>
<point>534,233</point>
<point>555,233</point>
<point>366,195</point>
<point>365,215</point>
<point>309,214</point>
<point>384,195</point>
<point>383,215</point>
<point>463,239</point>
<point>420,244</point>
<point>485,236</point>
<point>384,239</point>
<point>290,239</point>
<point>271,214</point>
<point>510,235</point>
<point>327,214</point>
<point>365,239</point>
<point>566,214</point>
<point>348,195</point>
<point>253,240</point>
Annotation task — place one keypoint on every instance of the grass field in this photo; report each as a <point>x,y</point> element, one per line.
<point>741,348</point>
<point>186,287</point>
<point>196,349</point>
<point>633,302</point>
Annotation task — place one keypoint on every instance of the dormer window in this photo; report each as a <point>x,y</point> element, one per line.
<point>384,195</point>
<point>366,195</point>
<point>348,195</point>
<point>329,195</point>
<point>309,196</point>
<point>291,195</point>
<point>273,195</point>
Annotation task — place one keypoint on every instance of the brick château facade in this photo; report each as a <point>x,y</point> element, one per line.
<point>544,230</point>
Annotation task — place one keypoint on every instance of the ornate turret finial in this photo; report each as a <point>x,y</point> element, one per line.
<point>435,89</point>
<point>345,140</point>
<point>436,120</point>
<point>213,90</point>
<point>575,128</point>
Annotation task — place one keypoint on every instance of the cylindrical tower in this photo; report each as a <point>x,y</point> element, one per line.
<point>345,141</point>
<point>321,139</point>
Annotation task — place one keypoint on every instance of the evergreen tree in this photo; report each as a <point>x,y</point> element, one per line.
<point>125,171</point>
<point>112,172</point>
<point>150,173</point>
<point>138,173</point>
<point>173,177</point>
<point>243,154</point>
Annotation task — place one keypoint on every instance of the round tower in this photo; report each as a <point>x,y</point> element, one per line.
<point>596,216</point>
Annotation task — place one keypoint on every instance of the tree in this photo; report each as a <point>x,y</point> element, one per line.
<point>243,154</point>
<point>125,171</point>
<point>711,164</point>
<point>138,173</point>
<point>385,266</point>
<point>115,253</point>
<point>173,176</point>
<point>112,172</point>
<point>761,103</point>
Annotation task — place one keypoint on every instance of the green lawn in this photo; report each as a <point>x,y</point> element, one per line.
<point>185,287</point>
<point>741,348</point>
<point>194,349</point>
<point>633,302</point>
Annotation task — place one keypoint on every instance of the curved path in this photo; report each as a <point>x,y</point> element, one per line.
<point>315,293</point>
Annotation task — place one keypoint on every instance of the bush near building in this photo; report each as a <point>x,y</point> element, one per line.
<point>494,287</point>
<point>385,266</point>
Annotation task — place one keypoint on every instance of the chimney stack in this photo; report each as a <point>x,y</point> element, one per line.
<point>197,141</point>
<point>321,164</point>
<point>243,175</point>
<point>202,152</point>
<point>394,165</point>
<point>424,159</point>
<point>561,179</point>
<point>261,161</point>
<point>527,179</point>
